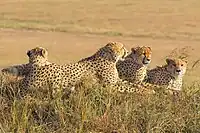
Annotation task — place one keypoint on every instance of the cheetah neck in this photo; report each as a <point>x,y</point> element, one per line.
<point>39,62</point>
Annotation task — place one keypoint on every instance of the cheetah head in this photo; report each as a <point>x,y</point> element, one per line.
<point>142,55</point>
<point>177,67</point>
<point>113,51</point>
<point>37,54</point>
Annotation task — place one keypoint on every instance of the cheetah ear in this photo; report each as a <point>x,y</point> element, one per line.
<point>44,53</point>
<point>150,48</point>
<point>185,60</point>
<point>133,50</point>
<point>28,53</point>
<point>169,61</point>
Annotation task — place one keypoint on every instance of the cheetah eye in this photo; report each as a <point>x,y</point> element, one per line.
<point>174,65</point>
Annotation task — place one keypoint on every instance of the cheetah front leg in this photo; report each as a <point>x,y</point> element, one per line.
<point>129,87</point>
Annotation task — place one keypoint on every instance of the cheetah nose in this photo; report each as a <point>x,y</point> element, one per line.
<point>148,59</point>
<point>178,70</point>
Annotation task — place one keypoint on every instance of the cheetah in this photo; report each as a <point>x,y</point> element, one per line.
<point>170,75</point>
<point>133,68</point>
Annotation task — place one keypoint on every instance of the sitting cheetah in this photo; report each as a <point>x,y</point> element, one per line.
<point>37,57</point>
<point>169,75</point>
<point>133,68</point>
<point>102,65</point>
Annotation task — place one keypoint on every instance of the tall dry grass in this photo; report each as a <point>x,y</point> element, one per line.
<point>93,108</point>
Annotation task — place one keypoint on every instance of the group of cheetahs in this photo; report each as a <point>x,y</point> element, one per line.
<point>112,65</point>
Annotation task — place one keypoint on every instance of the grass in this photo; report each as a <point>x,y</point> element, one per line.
<point>94,108</point>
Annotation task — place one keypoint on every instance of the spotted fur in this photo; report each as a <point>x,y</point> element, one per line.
<point>133,68</point>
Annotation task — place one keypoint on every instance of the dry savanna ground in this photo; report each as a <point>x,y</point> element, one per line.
<point>73,29</point>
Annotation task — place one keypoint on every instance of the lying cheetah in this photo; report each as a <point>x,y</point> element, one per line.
<point>169,75</point>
